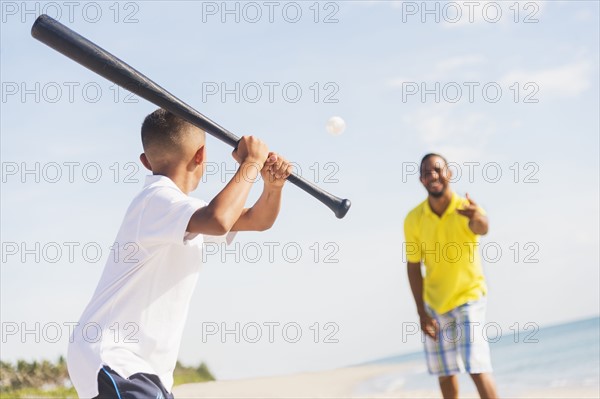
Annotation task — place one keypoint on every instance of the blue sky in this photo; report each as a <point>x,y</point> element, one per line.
<point>543,207</point>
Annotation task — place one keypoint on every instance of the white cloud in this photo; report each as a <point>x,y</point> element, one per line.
<point>462,61</point>
<point>583,15</point>
<point>444,128</point>
<point>567,80</point>
<point>451,14</point>
<point>396,4</point>
<point>467,13</point>
<point>448,68</point>
<point>397,82</point>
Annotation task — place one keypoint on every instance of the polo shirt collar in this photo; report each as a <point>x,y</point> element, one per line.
<point>160,180</point>
<point>454,201</point>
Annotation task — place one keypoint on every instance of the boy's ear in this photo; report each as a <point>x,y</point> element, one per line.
<point>145,161</point>
<point>200,155</point>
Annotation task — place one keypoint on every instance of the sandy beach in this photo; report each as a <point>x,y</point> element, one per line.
<point>339,383</point>
<point>351,382</point>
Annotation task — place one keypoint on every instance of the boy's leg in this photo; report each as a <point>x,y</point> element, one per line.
<point>449,386</point>
<point>485,385</point>
<point>138,386</point>
<point>107,385</point>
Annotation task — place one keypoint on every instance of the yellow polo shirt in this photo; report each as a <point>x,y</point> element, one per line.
<point>450,252</point>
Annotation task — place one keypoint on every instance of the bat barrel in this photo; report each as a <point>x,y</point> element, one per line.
<point>338,205</point>
<point>71,44</point>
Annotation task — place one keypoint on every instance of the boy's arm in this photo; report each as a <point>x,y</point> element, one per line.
<point>220,215</point>
<point>264,212</point>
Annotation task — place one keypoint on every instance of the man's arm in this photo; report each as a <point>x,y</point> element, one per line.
<point>428,325</point>
<point>264,212</point>
<point>220,215</point>
<point>478,222</point>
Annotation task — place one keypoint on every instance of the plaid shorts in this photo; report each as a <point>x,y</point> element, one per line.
<point>462,344</point>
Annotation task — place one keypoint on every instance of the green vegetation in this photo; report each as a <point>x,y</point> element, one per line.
<point>58,393</point>
<point>48,380</point>
<point>35,380</point>
<point>186,375</point>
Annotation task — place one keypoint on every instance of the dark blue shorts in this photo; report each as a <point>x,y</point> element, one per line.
<point>138,386</point>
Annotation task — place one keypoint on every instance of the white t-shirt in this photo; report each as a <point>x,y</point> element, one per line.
<point>135,319</point>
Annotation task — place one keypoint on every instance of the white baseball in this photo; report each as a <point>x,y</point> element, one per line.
<point>335,125</point>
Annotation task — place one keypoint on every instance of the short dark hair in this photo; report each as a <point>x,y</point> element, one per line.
<point>426,157</point>
<point>163,128</point>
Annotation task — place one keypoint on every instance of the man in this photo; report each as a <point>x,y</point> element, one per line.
<point>127,341</point>
<point>442,232</point>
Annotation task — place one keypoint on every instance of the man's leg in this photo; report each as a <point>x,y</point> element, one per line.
<point>442,353</point>
<point>485,385</point>
<point>449,386</point>
<point>475,347</point>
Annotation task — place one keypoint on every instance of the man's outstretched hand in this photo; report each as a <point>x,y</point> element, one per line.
<point>470,210</point>
<point>478,222</point>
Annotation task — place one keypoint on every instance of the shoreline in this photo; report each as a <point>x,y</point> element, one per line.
<point>371,381</point>
<point>335,383</point>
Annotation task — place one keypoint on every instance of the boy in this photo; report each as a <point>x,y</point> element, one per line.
<point>127,340</point>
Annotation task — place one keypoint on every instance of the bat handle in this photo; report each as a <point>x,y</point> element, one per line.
<point>338,205</point>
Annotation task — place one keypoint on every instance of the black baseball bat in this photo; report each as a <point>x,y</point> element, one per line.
<point>64,40</point>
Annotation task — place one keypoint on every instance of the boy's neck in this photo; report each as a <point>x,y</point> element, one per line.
<point>185,181</point>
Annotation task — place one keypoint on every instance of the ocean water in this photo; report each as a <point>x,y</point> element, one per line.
<point>563,356</point>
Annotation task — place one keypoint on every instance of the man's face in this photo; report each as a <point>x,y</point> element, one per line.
<point>435,176</point>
